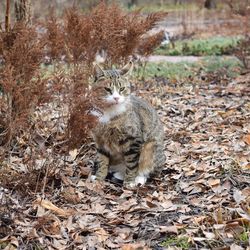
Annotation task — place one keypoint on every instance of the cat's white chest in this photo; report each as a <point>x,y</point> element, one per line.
<point>112,112</point>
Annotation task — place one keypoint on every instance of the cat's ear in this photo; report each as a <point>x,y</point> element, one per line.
<point>127,69</point>
<point>98,71</point>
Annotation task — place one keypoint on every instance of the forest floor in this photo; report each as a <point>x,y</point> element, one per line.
<point>200,201</point>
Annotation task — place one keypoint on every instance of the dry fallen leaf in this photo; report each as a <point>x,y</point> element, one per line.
<point>243,214</point>
<point>236,247</point>
<point>205,180</point>
<point>73,153</point>
<point>50,206</point>
<point>238,196</point>
<point>135,246</point>
<point>234,228</point>
<point>213,182</point>
<point>11,240</point>
<point>102,234</point>
<point>209,235</point>
<point>168,229</point>
<point>246,139</point>
<point>70,195</point>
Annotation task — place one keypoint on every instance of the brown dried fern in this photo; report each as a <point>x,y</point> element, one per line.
<point>21,52</point>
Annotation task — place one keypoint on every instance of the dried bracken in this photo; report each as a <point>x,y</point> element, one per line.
<point>242,52</point>
<point>54,37</point>
<point>81,122</point>
<point>21,53</point>
<point>149,43</point>
<point>106,28</point>
<point>242,10</point>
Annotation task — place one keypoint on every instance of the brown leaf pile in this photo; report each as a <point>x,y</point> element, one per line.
<point>202,194</point>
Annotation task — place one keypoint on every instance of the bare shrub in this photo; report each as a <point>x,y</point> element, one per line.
<point>106,27</point>
<point>148,44</point>
<point>21,87</point>
<point>55,48</point>
<point>239,7</point>
<point>242,51</point>
<point>242,10</point>
<point>81,122</point>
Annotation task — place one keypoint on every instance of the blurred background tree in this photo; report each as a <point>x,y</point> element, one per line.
<point>210,4</point>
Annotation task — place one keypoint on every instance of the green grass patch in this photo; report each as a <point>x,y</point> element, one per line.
<point>3,245</point>
<point>181,242</point>
<point>170,7</point>
<point>244,237</point>
<point>216,46</point>
<point>231,67</point>
<point>149,8</point>
<point>168,70</point>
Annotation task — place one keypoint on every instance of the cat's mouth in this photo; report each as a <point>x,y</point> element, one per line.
<point>115,102</point>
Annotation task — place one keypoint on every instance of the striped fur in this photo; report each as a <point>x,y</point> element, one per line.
<point>130,138</point>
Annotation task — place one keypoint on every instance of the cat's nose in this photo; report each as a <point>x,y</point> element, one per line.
<point>116,99</point>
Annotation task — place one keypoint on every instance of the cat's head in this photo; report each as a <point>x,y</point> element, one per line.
<point>113,85</point>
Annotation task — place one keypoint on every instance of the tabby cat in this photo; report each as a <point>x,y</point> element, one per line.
<point>129,135</point>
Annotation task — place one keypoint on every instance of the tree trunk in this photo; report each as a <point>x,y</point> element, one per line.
<point>22,10</point>
<point>7,16</point>
<point>178,2</point>
<point>210,4</point>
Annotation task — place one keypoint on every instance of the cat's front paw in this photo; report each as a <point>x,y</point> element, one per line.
<point>139,180</point>
<point>93,178</point>
<point>96,178</point>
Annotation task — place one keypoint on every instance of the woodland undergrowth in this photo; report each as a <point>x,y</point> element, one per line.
<point>201,200</point>
<point>31,92</point>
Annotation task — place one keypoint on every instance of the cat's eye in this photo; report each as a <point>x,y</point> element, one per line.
<point>121,89</point>
<point>108,90</point>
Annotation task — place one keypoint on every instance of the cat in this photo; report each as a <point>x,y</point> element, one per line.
<point>129,136</point>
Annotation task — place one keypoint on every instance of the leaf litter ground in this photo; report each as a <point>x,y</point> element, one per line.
<point>202,195</point>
